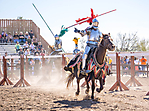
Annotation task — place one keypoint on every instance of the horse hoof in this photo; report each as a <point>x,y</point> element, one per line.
<point>66,68</point>
<point>99,89</point>
<point>77,93</point>
<point>86,91</point>
<point>92,97</point>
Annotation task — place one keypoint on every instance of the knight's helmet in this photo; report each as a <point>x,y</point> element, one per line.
<point>56,37</point>
<point>95,23</point>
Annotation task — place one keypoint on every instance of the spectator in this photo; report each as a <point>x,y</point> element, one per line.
<point>4,37</point>
<point>26,35</point>
<point>17,47</point>
<point>21,38</point>
<point>42,52</point>
<point>34,40</point>
<point>16,37</point>
<point>136,62</point>
<point>6,54</point>
<point>37,64</point>
<point>31,34</point>
<point>25,46</point>
<point>32,47</point>
<point>0,38</point>
<point>39,46</point>
<point>37,51</point>
<point>29,40</point>
<point>27,52</point>
<point>126,60</point>
<point>21,52</point>
<point>143,62</point>
<point>10,38</point>
<point>109,62</point>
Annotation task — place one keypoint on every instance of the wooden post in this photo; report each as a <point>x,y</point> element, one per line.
<point>1,75</point>
<point>133,79</point>
<point>147,69</point>
<point>147,94</point>
<point>27,69</point>
<point>5,79</point>
<point>22,81</point>
<point>118,81</point>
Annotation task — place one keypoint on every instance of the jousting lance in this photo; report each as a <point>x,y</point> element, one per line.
<point>83,20</point>
<point>89,19</point>
<point>43,19</point>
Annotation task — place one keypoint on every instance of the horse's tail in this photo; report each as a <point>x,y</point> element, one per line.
<point>69,79</point>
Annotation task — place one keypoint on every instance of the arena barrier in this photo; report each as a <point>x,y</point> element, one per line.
<point>147,94</point>
<point>118,79</point>
<point>22,81</point>
<point>22,66</point>
<point>5,78</point>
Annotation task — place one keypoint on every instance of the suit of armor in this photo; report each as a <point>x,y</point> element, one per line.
<point>57,45</point>
<point>93,37</point>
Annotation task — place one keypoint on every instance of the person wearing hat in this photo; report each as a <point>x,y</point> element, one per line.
<point>31,34</point>
<point>26,35</point>
<point>16,37</point>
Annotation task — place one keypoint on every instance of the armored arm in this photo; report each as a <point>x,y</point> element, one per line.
<point>82,32</point>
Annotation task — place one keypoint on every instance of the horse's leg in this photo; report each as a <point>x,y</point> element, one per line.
<point>78,88</point>
<point>101,85</point>
<point>93,87</point>
<point>87,90</point>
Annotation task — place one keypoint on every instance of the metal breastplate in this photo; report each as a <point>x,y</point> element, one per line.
<point>94,35</point>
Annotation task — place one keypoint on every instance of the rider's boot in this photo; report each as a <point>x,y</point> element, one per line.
<point>84,71</point>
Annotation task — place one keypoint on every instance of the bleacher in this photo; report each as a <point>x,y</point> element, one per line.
<point>9,48</point>
<point>17,25</point>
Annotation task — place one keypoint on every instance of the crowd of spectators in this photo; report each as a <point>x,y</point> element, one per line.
<point>30,49</point>
<point>26,44</point>
<point>18,37</point>
<point>127,61</point>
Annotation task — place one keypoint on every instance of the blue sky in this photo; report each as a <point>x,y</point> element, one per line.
<point>131,16</point>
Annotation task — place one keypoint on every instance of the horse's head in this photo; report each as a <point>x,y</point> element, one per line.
<point>107,42</point>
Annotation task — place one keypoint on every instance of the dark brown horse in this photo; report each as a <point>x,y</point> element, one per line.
<point>95,63</point>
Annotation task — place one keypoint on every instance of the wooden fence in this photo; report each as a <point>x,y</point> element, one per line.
<point>17,25</point>
<point>128,71</point>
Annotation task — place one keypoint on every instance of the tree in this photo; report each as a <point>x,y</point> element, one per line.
<point>130,43</point>
<point>143,45</point>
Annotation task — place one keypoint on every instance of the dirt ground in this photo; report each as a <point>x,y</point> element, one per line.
<point>53,96</point>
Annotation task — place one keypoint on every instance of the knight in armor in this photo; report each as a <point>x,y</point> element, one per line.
<point>93,37</point>
<point>57,46</point>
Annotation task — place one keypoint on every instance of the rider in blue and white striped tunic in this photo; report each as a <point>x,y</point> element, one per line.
<point>93,37</point>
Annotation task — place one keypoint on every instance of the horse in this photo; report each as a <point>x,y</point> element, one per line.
<point>95,63</point>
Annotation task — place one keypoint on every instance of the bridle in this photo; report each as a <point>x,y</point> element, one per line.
<point>104,44</point>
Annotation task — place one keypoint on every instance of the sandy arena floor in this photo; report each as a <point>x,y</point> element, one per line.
<point>54,96</point>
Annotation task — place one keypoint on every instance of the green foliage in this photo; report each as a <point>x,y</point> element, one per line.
<point>130,42</point>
